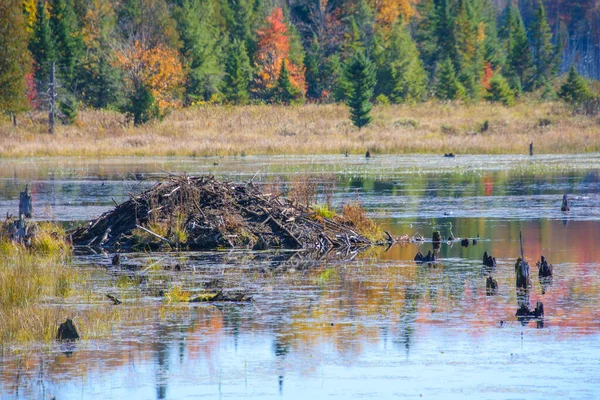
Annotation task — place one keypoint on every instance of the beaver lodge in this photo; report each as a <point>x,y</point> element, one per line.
<point>203,213</point>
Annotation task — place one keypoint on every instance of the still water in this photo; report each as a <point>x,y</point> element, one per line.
<point>374,326</point>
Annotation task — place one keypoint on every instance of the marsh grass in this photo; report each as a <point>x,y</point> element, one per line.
<point>354,214</point>
<point>432,127</point>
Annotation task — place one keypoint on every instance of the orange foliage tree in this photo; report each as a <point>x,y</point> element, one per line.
<point>273,49</point>
<point>389,10</point>
<point>157,68</point>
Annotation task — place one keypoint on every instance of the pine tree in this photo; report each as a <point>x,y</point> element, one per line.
<point>500,91</point>
<point>285,92</point>
<point>519,68</point>
<point>237,73</point>
<point>360,75</point>
<point>448,86</point>
<point>546,57</point>
<point>14,57</point>
<point>200,37</point>
<point>575,90</point>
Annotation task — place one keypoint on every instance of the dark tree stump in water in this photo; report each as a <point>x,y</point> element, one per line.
<point>545,270</point>
<point>488,260</point>
<point>430,257</point>
<point>67,331</point>
<point>523,280</point>
<point>565,204</point>
<point>436,237</point>
<point>368,154</point>
<point>491,286</point>
<point>25,203</point>
<point>524,314</point>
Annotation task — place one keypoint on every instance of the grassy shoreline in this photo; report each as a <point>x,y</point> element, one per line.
<point>431,127</point>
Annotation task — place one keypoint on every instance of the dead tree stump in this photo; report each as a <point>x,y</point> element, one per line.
<point>565,204</point>
<point>523,280</point>
<point>67,331</point>
<point>491,286</point>
<point>25,203</point>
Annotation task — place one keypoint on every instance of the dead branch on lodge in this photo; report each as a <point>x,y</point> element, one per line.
<point>204,213</point>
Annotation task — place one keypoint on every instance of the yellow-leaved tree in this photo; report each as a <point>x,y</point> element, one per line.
<point>154,79</point>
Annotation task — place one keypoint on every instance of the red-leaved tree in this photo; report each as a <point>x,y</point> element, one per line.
<point>273,48</point>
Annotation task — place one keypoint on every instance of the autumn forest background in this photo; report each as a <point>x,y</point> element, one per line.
<point>145,58</point>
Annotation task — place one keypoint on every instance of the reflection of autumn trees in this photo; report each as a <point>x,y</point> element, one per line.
<point>343,308</point>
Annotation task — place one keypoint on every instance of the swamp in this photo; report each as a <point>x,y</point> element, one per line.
<point>158,318</point>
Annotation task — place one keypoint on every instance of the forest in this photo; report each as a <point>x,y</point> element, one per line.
<point>148,57</point>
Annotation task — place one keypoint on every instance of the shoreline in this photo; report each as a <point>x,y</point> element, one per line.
<point>204,131</point>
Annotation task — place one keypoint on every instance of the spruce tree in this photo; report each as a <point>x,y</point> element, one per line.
<point>500,91</point>
<point>68,43</point>
<point>448,86</point>
<point>285,92</point>
<point>575,90</point>
<point>546,57</point>
<point>400,73</point>
<point>444,30</point>
<point>100,81</point>
<point>314,74</point>
<point>14,58</point>
<point>237,73</point>
<point>519,68</point>
<point>42,47</point>
<point>240,17</point>
<point>425,36</point>
<point>200,36</point>
<point>360,75</point>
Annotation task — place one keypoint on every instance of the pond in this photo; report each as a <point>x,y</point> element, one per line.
<point>375,325</point>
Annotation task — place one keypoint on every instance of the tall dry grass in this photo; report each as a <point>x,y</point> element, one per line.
<point>431,127</point>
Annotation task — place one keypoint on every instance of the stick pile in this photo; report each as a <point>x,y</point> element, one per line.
<point>204,213</point>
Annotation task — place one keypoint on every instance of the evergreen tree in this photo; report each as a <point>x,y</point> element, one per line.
<point>360,75</point>
<point>237,73</point>
<point>241,15</point>
<point>546,57</point>
<point>314,74</point>
<point>444,31</point>
<point>42,47</point>
<point>101,83</point>
<point>285,92</point>
<point>14,57</point>
<point>575,90</point>
<point>448,86</point>
<point>425,35</point>
<point>400,73</point>
<point>519,64</point>
<point>68,43</point>
<point>200,37</point>
<point>500,91</point>
<point>141,105</point>
<point>364,18</point>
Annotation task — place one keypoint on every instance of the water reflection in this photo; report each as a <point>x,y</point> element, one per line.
<point>379,325</point>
